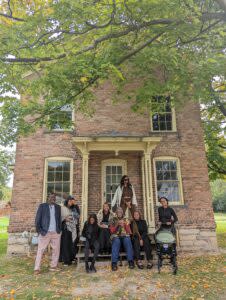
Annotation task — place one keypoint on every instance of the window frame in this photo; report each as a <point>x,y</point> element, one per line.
<point>72,120</point>
<point>180,185</point>
<point>174,124</point>
<point>110,162</point>
<point>56,159</point>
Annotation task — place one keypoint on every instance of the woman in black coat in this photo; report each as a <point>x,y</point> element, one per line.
<point>91,233</point>
<point>140,239</point>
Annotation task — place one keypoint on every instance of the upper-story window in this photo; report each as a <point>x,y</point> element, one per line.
<point>62,119</point>
<point>164,118</point>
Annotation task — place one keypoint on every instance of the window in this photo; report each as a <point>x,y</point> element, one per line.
<point>61,120</point>
<point>165,119</point>
<point>168,180</point>
<point>58,178</point>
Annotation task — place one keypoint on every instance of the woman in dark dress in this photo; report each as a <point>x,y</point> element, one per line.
<point>76,215</point>
<point>69,232</point>
<point>104,219</point>
<point>140,239</point>
<point>167,215</point>
<point>91,233</point>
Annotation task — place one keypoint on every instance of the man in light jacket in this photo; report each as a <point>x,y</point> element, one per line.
<point>48,226</point>
<point>125,197</point>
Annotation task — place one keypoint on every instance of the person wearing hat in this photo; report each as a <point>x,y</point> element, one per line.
<point>69,219</point>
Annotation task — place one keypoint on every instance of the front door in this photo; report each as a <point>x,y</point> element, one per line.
<point>112,172</point>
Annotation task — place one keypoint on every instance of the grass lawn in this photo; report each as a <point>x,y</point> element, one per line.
<point>220,219</point>
<point>4,222</point>
<point>198,278</point>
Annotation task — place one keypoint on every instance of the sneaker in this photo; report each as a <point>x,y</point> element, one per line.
<point>131,264</point>
<point>114,267</point>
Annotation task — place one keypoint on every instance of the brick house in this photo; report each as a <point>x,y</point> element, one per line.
<point>163,154</point>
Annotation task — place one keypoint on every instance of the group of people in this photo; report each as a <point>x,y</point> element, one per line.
<point>104,232</point>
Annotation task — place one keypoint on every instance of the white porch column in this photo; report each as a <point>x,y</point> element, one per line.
<point>85,177</point>
<point>149,199</point>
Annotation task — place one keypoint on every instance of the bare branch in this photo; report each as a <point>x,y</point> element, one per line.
<point>11,17</point>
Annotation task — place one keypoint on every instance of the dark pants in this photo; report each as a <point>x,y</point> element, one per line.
<point>116,245</point>
<point>94,246</point>
<point>147,247</point>
<point>104,239</point>
<point>66,247</point>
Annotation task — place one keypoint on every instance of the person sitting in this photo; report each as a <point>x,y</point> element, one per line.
<point>120,235</point>
<point>91,233</point>
<point>140,239</point>
<point>69,232</point>
<point>167,215</point>
<point>104,218</point>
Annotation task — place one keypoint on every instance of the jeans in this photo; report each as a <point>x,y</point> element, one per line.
<point>116,245</point>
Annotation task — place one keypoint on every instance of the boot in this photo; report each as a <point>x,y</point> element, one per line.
<point>131,264</point>
<point>92,267</point>
<point>87,267</point>
<point>114,267</point>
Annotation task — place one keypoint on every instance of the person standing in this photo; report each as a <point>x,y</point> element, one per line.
<point>104,218</point>
<point>69,232</point>
<point>125,197</point>
<point>140,239</point>
<point>48,226</point>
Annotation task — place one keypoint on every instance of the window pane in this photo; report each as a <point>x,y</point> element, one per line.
<point>50,176</point>
<point>59,166</point>
<point>113,169</point>
<point>108,188</point>
<point>66,166</point>
<point>66,188</point>
<point>108,179</point>
<point>159,175</point>
<point>162,126</point>
<point>119,170</point>
<point>108,198</point>
<point>173,165</point>
<point>58,188</point>
<point>58,176</point>
<point>113,179</point>
<point>173,175</point>
<point>66,176</point>
<point>158,165</point>
<point>108,170</point>
<point>50,188</point>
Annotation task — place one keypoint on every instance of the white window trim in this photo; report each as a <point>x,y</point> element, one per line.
<point>181,195</point>
<point>56,158</point>
<point>174,123</point>
<point>108,162</point>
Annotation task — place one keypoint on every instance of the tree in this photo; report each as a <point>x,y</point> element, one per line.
<point>218,188</point>
<point>68,47</point>
<point>6,159</point>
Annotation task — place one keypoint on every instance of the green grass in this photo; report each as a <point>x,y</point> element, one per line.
<point>4,223</point>
<point>220,219</point>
